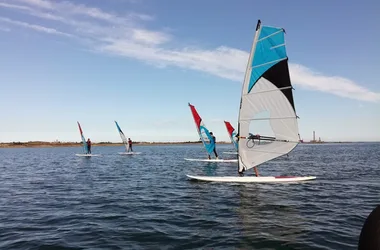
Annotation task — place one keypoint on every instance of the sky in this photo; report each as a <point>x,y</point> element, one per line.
<point>140,62</point>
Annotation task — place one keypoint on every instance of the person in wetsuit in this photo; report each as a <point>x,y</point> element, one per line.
<point>89,145</point>
<point>130,145</point>
<point>214,141</point>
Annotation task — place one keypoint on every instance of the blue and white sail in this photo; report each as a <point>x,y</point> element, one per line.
<point>267,88</point>
<point>122,136</point>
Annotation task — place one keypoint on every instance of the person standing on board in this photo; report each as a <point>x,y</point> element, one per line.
<point>89,146</point>
<point>214,141</point>
<point>130,145</point>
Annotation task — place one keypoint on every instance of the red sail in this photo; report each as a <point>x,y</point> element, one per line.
<point>80,129</point>
<point>229,127</point>
<point>196,116</point>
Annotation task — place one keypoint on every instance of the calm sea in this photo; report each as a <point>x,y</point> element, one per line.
<point>52,199</point>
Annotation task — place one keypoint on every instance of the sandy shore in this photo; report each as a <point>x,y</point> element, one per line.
<point>77,144</point>
<point>41,144</point>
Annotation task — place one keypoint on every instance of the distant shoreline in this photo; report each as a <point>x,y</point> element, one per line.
<point>42,144</point>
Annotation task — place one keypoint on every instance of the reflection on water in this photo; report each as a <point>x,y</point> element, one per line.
<point>264,214</point>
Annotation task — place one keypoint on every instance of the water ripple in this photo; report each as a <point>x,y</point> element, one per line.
<point>51,199</point>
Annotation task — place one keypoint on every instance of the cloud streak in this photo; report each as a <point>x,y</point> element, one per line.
<point>125,35</point>
<point>34,27</point>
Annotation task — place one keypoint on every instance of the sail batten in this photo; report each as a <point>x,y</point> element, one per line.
<point>267,88</point>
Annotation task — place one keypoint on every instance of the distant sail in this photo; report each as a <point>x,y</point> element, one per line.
<point>123,138</point>
<point>232,133</point>
<point>203,132</point>
<point>267,88</point>
<point>85,148</point>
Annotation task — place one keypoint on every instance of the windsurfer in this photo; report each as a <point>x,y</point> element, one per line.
<point>214,141</point>
<point>89,146</point>
<point>130,145</point>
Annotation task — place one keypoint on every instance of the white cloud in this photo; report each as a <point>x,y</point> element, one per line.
<point>124,35</point>
<point>332,84</point>
<point>14,6</point>
<point>34,27</point>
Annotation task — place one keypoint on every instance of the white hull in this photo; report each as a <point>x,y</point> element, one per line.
<point>250,179</point>
<point>230,153</point>
<point>129,153</point>
<point>86,155</point>
<point>212,160</point>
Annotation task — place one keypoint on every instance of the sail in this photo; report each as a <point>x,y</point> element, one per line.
<point>232,133</point>
<point>267,88</point>
<point>203,132</point>
<point>85,148</point>
<point>123,138</point>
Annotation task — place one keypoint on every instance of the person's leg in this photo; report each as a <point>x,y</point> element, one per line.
<point>256,171</point>
<point>216,155</point>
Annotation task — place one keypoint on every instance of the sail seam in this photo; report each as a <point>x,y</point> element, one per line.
<point>270,118</point>
<point>278,46</point>
<point>266,37</point>
<point>271,90</point>
<point>275,61</point>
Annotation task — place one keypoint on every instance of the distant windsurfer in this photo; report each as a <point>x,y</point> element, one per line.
<point>89,146</point>
<point>214,141</point>
<point>130,145</point>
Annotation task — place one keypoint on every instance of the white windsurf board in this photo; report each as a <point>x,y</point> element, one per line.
<point>86,155</point>
<point>252,179</point>
<point>212,160</point>
<point>129,153</point>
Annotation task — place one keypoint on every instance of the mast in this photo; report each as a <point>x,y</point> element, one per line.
<point>267,88</point>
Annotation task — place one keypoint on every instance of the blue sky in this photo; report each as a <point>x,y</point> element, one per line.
<point>141,61</point>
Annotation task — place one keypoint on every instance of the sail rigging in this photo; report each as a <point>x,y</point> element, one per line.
<point>203,132</point>
<point>232,134</point>
<point>267,88</point>
<point>85,148</point>
<point>122,136</point>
